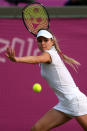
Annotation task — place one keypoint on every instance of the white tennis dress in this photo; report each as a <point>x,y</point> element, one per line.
<point>71,100</point>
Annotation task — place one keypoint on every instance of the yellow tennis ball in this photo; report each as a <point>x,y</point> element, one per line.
<point>37,87</point>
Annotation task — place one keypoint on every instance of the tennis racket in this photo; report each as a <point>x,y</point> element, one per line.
<point>35,17</point>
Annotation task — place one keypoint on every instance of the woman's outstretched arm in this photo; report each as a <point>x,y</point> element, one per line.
<point>44,58</point>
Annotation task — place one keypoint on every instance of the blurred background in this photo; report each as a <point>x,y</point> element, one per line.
<point>48,3</point>
<point>20,107</point>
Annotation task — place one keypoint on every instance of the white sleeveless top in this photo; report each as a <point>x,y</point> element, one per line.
<point>60,80</point>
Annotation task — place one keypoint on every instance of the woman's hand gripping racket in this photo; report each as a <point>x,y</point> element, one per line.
<point>35,17</point>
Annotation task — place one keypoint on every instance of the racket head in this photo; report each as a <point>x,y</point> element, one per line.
<point>35,17</point>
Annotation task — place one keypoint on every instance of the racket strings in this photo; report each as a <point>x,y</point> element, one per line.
<point>35,18</point>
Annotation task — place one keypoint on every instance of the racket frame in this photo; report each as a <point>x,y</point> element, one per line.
<point>24,20</point>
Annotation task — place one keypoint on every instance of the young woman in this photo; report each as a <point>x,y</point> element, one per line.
<point>72,102</point>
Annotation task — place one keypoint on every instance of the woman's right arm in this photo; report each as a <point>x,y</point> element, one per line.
<point>45,57</point>
<point>11,55</point>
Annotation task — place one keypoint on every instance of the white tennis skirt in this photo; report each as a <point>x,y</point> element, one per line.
<point>74,107</point>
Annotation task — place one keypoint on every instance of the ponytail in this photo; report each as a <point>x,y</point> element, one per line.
<point>72,62</point>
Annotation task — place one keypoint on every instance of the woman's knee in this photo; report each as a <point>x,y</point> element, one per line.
<point>37,128</point>
<point>34,128</point>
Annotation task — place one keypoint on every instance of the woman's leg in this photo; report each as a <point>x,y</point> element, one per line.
<point>82,121</point>
<point>50,120</point>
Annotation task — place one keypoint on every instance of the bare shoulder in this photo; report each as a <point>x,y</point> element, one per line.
<point>45,57</point>
<point>45,54</point>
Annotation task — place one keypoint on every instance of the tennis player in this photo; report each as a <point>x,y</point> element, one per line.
<point>72,102</point>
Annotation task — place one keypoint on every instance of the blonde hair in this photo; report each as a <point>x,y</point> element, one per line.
<point>72,62</point>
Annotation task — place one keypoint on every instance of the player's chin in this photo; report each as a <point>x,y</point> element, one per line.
<point>44,48</point>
